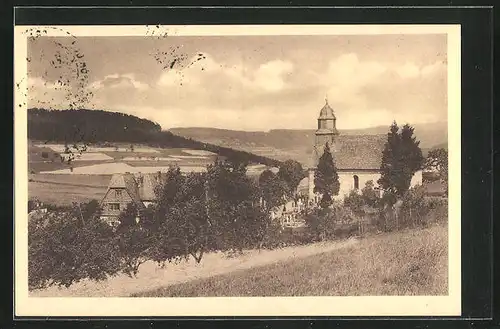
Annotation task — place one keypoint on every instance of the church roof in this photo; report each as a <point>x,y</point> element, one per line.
<point>357,152</point>
<point>360,151</point>
<point>326,112</point>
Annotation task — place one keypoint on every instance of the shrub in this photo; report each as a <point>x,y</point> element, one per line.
<point>414,207</point>
<point>63,250</point>
<point>33,204</point>
<point>321,223</point>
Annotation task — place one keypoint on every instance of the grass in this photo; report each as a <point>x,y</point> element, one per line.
<point>75,180</point>
<point>64,194</point>
<point>412,262</point>
<point>62,190</point>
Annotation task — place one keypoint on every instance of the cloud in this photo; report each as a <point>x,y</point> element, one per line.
<point>408,70</point>
<point>47,94</point>
<point>269,76</point>
<point>275,93</point>
<point>125,81</point>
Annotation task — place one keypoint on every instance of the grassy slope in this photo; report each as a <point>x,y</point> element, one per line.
<point>65,189</point>
<point>413,262</point>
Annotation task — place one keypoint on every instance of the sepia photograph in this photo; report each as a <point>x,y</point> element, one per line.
<point>237,170</point>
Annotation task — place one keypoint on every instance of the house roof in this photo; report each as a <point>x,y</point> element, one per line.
<point>356,152</point>
<point>127,182</point>
<point>147,185</point>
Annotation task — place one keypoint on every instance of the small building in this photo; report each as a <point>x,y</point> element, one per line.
<point>127,188</point>
<point>358,158</point>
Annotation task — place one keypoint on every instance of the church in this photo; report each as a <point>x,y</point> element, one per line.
<point>357,157</point>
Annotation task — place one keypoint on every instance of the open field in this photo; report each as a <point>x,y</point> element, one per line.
<point>64,189</point>
<point>75,180</point>
<point>412,262</point>
<point>64,194</point>
<point>404,263</point>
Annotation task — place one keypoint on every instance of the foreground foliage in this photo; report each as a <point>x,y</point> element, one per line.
<point>214,211</point>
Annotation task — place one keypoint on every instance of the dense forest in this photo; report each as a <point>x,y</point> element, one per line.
<point>97,126</point>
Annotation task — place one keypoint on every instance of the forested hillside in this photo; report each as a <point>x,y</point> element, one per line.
<point>97,126</point>
<point>429,135</point>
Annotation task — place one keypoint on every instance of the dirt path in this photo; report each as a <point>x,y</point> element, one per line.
<point>151,276</point>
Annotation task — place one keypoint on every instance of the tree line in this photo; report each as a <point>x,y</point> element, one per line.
<point>80,128</point>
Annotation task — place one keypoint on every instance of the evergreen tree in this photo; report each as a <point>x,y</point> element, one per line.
<point>326,179</point>
<point>401,158</point>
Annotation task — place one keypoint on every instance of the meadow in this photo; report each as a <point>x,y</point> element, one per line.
<point>411,262</point>
<point>64,194</point>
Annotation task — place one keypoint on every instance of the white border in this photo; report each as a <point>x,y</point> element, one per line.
<point>233,306</point>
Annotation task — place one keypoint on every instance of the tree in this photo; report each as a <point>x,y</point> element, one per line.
<point>168,192</point>
<point>412,159</point>
<point>272,189</point>
<point>370,196</point>
<point>437,159</point>
<point>414,207</point>
<point>180,222</point>
<point>236,218</point>
<point>401,158</point>
<point>321,223</point>
<point>326,179</point>
<point>292,173</point>
<point>63,250</point>
<point>133,240</point>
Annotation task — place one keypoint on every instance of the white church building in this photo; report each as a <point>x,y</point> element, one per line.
<point>357,157</point>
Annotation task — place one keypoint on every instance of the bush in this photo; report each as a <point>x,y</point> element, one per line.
<point>64,250</point>
<point>279,237</point>
<point>321,223</point>
<point>414,208</point>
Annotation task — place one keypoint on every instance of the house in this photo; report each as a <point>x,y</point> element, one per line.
<point>357,157</point>
<point>126,188</point>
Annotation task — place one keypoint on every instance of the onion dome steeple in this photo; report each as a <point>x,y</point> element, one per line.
<point>326,112</point>
<point>327,120</point>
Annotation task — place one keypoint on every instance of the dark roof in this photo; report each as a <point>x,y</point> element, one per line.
<point>360,151</point>
<point>148,184</point>
<point>127,182</point>
<point>357,152</point>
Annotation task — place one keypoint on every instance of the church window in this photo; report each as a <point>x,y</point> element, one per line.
<point>118,193</point>
<point>356,182</point>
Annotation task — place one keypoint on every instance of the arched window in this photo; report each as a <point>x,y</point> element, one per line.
<point>356,182</point>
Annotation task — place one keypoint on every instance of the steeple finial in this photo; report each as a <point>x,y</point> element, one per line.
<point>326,99</point>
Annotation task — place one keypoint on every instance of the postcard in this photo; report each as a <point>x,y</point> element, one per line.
<point>237,170</point>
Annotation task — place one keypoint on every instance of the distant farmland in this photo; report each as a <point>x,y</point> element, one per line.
<point>85,178</point>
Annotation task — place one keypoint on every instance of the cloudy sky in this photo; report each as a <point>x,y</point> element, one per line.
<point>245,82</point>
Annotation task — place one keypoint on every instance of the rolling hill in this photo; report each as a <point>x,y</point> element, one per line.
<point>99,127</point>
<point>282,143</point>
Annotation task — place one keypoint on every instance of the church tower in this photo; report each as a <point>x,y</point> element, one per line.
<point>326,132</point>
